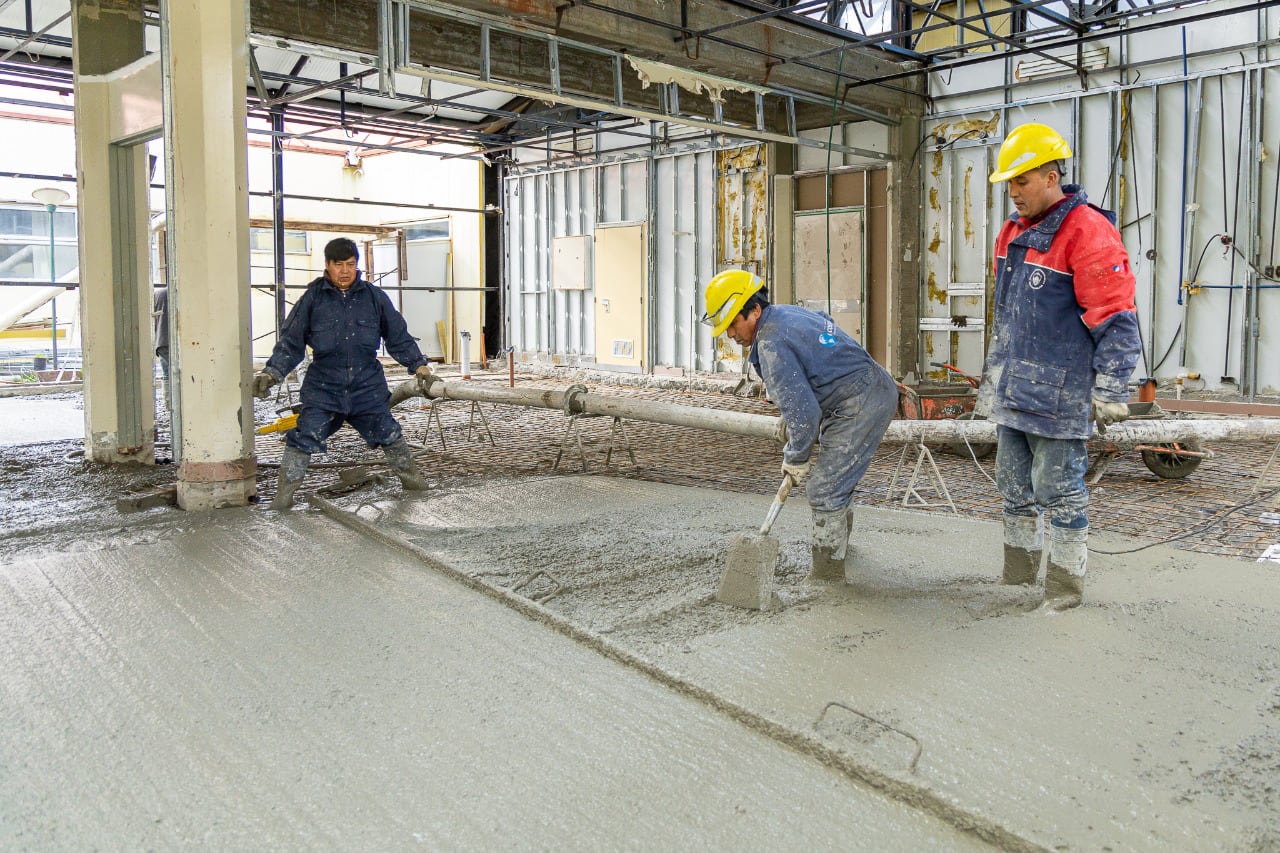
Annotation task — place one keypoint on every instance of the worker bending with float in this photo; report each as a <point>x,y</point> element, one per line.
<point>830,392</point>
<point>343,319</point>
<point>1063,344</point>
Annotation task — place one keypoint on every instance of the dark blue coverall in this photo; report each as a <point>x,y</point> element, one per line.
<point>345,382</point>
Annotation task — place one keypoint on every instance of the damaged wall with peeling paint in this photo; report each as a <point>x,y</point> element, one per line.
<point>1176,133</point>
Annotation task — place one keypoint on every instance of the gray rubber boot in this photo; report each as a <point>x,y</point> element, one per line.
<point>830,544</point>
<point>293,470</point>
<point>1023,546</point>
<point>1064,578</point>
<point>400,459</point>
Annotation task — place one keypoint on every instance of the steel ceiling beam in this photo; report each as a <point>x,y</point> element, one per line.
<point>1157,23</point>
<point>416,101</point>
<point>772,121</point>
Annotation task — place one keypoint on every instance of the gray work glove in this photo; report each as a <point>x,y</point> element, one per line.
<point>262,384</point>
<point>1105,413</point>
<point>796,470</point>
<point>424,377</point>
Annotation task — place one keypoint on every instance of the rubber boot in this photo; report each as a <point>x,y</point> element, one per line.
<point>400,459</point>
<point>1064,578</point>
<point>830,544</point>
<point>293,470</point>
<point>1022,549</point>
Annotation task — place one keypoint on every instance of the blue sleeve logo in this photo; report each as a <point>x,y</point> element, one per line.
<point>827,339</point>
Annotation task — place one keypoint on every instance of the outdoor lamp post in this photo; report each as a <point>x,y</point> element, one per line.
<point>51,197</point>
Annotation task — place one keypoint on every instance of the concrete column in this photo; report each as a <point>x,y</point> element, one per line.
<point>204,43</point>
<point>115,290</point>
<point>904,246</point>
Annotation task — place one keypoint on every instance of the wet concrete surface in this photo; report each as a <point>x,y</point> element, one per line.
<point>244,680</point>
<point>280,681</point>
<point>1148,719</point>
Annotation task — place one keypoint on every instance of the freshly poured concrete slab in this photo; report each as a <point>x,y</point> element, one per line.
<point>251,680</point>
<point>1147,719</point>
<point>24,420</point>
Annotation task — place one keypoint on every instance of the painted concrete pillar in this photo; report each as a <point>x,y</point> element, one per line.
<point>205,55</point>
<point>115,300</point>
<point>904,247</point>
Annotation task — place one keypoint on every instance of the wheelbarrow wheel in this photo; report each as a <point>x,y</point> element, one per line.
<point>980,450</point>
<point>1172,466</point>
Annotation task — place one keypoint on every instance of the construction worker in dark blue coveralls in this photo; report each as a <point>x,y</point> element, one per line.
<point>1063,343</point>
<point>343,319</point>
<point>830,392</point>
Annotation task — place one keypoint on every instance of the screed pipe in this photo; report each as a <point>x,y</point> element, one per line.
<point>577,400</point>
<point>653,411</point>
<point>1125,435</point>
<point>535,398</point>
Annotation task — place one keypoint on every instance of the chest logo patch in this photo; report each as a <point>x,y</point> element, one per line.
<point>1036,280</point>
<point>827,339</point>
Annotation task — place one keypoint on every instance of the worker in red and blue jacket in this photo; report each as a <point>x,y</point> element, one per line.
<point>1063,343</point>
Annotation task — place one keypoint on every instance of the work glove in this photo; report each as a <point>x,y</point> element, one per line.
<point>1105,413</point>
<point>424,376</point>
<point>262,383</point>
<point>796,470</point>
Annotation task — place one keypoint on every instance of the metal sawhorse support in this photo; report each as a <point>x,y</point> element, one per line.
<point>573,431</point>
<point>910,495</point>
<point>433,420</point>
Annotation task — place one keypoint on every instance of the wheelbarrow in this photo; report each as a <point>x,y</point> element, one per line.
<point>936,401</point>
<point>1171,461</point>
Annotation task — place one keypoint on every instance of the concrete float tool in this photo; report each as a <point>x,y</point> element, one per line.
<point>748,570</point>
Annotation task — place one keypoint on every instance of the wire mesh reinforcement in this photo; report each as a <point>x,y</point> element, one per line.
<point>1128,500</point>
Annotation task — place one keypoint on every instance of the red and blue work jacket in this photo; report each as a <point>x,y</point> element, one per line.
<point>1065,325</point>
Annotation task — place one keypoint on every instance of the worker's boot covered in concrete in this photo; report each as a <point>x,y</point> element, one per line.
<point>400,459</point>
<point>1023,546</point>
<point>1064,578</point>
<point>293,470</point>
<point>830,544</point>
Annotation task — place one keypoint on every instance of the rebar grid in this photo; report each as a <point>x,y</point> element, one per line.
<point>1128,500</point>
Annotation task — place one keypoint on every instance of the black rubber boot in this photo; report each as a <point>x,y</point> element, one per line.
<point>293,470</point>
<point>1022,550</point>
<point>400,459</point>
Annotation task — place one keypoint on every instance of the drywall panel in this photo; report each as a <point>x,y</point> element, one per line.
<point>830,266</point>
<point>570,259</point>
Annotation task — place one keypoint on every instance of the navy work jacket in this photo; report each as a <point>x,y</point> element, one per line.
<point>809,366</point>
<point>344,330</point>
<point>1065,327</point>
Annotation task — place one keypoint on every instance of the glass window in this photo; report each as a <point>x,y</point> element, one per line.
<point>260,240</point>
<point>434,229</point>
<point>16,261</point>
<point>24,244</point>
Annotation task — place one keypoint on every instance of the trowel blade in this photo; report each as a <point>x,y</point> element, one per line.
<point>748,571</point>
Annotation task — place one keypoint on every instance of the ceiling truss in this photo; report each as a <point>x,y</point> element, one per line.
<point>744,68</point>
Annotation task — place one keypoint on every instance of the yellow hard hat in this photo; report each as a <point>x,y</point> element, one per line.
<point>725,296</point>
<point>1027,147</point>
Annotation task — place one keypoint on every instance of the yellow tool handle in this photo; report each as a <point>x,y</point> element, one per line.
<point>284,424</point>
